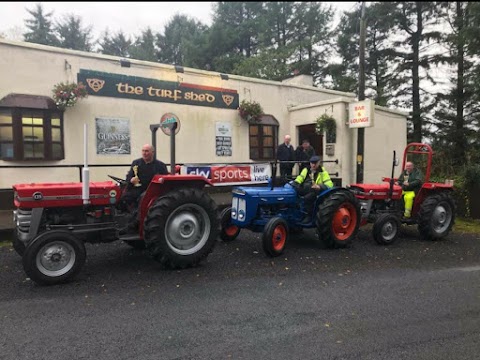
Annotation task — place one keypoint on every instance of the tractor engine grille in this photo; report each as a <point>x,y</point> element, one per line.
<point>22,219</point>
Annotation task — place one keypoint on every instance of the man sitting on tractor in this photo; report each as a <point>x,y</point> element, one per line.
<point>314,180</point>
<point>411,182</point>
<point>139,177</point>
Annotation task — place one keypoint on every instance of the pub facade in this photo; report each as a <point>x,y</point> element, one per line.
<point>40,142</point>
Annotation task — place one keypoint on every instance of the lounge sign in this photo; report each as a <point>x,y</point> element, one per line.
<point>133,87</point>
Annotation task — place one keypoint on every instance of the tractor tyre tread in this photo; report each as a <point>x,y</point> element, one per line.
<point>426,212</point>
<point>155,222</point>
<point>325,216</point>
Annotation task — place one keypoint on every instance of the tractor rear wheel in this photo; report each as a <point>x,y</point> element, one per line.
<point>181,228</point>
<point>338,219</point>
<point>54,257</point>
<point>275,236</point>
<point>228,232</point>
<point>436,216</point>
<point>386,229</point>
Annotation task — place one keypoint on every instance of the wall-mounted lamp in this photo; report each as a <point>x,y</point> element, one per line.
<point>67,65</point>
<point>179,68</point>
<point>224,76</point>
<point>124,63</point>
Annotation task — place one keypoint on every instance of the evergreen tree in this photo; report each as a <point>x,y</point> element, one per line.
<point>72,35</point>
<point>178,32</point>
<point>116,45</point>
<point>242,25</point>
<point>379,54</point>
<point>144,47</point>
<point>458,110</point>
<point>313,38</point>
<point>414,22</point>
<point>40,27</point>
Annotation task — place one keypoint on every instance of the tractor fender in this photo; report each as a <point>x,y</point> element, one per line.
<point>326,193</point>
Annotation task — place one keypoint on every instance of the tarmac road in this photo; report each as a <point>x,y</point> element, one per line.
<point>412,300</point>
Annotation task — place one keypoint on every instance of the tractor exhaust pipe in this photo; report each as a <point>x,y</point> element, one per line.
<point>85,170</point>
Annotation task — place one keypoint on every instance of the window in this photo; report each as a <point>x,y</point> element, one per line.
<point>31,134</point>
<point>263,140</point>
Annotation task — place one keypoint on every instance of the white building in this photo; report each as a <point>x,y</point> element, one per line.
<point>127,96</point>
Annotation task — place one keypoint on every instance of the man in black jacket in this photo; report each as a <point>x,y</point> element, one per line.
<point>285,152</point>
<point>303,154</point>
<point>141,173</point>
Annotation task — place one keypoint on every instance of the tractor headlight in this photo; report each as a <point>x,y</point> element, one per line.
<point>241,215</point>
<point>234,213</point>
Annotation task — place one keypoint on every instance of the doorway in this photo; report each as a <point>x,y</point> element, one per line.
<point>308,132</point>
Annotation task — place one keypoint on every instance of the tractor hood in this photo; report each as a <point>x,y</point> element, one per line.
<point>36,195</point>
<point>265,192</point>
<point>376,191</point>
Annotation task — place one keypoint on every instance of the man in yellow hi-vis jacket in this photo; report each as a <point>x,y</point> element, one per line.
<point>314,180</point>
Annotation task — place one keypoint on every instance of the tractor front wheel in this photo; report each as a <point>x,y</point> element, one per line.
<point>54,257</point>
<point>436,216</point>
<point>275,236</point>
<point>338,219</point>
<point>181,228</point>
<point>228,232</point>
<point>386,229</point>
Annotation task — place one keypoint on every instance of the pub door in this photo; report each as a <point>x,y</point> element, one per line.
<point>308,132</point>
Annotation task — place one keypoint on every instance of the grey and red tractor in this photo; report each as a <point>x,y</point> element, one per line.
<point>383,205</point>
<point>178,222</point>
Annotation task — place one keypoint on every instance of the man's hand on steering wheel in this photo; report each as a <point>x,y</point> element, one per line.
<point>122,182</point>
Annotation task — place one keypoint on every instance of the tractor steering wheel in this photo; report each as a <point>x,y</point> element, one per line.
<point>120,181</point>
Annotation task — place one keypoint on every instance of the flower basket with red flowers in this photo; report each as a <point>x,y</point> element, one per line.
<point>67,94</point>
<point>251,111</point>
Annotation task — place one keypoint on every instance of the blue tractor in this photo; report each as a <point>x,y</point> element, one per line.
<point>278,211</point>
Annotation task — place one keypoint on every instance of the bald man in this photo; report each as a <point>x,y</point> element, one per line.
<point>147,167</point>
<point>285,152</point>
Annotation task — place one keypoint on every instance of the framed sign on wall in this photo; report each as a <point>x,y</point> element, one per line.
<point>113,136</point>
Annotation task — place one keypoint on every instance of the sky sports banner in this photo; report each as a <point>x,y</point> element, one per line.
<point>231,174</point>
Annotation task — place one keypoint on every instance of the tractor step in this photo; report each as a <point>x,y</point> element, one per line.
<point>129,237</point>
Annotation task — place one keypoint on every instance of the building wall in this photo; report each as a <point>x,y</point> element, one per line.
<point>34,69</point>
<point>389,133</point>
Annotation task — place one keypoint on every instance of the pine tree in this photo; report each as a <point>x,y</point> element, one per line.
<point>40,27</point>
<point>116,45</point>
<point>144,47</point>
<point>72,35</point>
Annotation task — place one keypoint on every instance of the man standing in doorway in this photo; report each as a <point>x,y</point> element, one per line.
<point>303,154</point>
<point>285,152</point>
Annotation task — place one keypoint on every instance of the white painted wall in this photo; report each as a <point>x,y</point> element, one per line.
<point>34,69</point>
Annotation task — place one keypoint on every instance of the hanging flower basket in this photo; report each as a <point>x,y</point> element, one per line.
<point>327,123</point>
<point>67,94</point>
<point>251,111</point>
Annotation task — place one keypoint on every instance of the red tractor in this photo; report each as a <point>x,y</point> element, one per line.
<point>179,222</point>
<point>382,204</point>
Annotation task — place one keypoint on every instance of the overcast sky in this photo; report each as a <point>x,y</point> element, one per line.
<point>131,17</point>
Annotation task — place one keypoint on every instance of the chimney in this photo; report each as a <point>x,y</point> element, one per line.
<point>299,80</point>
